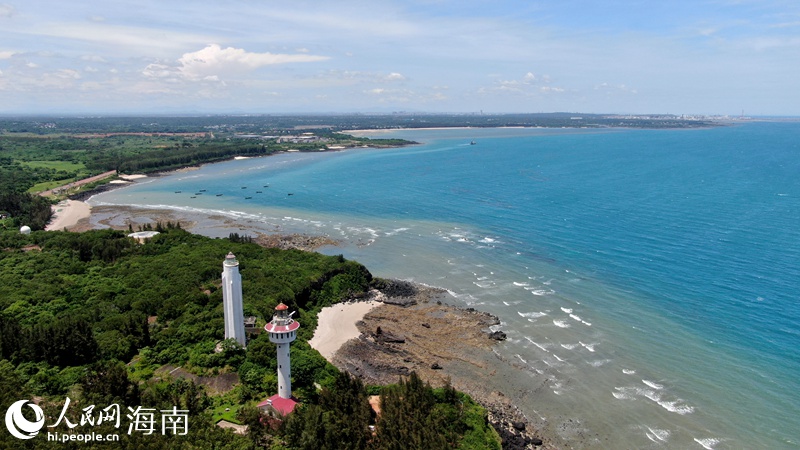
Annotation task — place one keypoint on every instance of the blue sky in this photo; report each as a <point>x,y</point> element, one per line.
<point>248,56</point>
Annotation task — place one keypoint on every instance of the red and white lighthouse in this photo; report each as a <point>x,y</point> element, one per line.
<point>282,332</point>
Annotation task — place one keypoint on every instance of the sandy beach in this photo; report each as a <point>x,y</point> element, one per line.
<point>67,214</point>
<point>337,324</point>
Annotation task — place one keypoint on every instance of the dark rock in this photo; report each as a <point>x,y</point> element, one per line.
<point>426,325</point>
<point>390,338</point>
<point>436,366</point>
<point>498,336</point>
<point>536,441</point>
<point>400,301</point>
<point>519,426</point>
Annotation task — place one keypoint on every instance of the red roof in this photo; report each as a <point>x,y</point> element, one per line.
<point>284,406</point>
<point>281,307</point>
<point>270,327</point>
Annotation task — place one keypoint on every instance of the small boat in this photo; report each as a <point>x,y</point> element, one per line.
<point>290,193</point>
<point>219,195</point>
<point>193,196</point>
<point>198,193</point>
<point>248,198</point>
<point>472,143</point>
<point>266,185</point>
<point>244,187</point>
<point>177,192</point>
<point>202,190</point>
<point>258,192</point>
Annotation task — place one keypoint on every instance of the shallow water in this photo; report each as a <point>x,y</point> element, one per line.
<point>646,278</point>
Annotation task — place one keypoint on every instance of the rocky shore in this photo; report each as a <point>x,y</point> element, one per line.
<point>294,241</point>
<point>415,330</point>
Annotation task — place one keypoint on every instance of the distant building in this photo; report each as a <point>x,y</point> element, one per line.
<point>142,236</point>
<point>232,300</point>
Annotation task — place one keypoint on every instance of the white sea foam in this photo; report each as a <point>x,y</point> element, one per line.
<point>628,371</point>
<point>707,443</point>
<point>677,407</point>
<point>621,396</point>
<point>560,323</point>
<point>541,292</point>
<point>575,317</point>
<point>570,346</point>
<point>395,231</point>
<point>516,283</point>
<point>520,358</point>
<point>653,385</point>
<point>567,310</point>
<point>541,347</point>
<point>559,359</point>
<point>657,435</point>
<point>589,347</point>
<point>532,314</point>
<point>599,362</point>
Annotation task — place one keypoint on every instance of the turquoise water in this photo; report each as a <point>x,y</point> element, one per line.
<point>647,279</point>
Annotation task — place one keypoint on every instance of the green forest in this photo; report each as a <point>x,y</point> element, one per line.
<point>100,319</point>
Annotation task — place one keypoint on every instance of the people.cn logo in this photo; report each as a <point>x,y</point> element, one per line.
<point>19,426</point>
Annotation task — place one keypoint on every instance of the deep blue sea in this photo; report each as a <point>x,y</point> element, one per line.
<point>647,279</point>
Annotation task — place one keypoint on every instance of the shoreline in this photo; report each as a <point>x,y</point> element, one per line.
<point>477,370</point>
<point>67,214</point>
<point>405,327</point>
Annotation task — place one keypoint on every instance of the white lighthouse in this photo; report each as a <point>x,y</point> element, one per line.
<point>282,332</point>
<point>232,300</point>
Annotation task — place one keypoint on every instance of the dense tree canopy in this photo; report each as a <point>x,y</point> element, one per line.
<point>96,317</point>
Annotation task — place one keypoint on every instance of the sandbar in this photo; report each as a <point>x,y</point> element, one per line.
<point>337,324</point>
<point>67,214</point>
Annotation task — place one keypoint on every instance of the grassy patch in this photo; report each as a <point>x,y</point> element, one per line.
<point>46,185</point>
<point>223,403</point>
<point>66,166</point>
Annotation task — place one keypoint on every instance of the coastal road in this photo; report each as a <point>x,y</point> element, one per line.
<point>78,183</point>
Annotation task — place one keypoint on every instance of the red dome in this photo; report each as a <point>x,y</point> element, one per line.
<point>281,307</point>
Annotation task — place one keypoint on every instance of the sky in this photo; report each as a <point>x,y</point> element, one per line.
<point>724,57</point>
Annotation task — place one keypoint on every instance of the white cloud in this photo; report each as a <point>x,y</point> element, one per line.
<point>6,10</point>
<point>394,76</point>
<point>214,60</point>
<point>6,54</point>
<point>67,74</point>
<point>158,71</point>
<point>93,58</point>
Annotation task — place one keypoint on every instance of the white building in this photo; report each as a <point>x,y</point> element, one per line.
<point>232,300</point>
<point>282,332</point>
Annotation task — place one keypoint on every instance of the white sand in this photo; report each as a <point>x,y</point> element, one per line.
<point>67,214</point>
<point>132,177</point>
<point>337,324</point>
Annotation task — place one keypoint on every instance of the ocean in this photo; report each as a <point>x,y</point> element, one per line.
<point>647,279</point>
